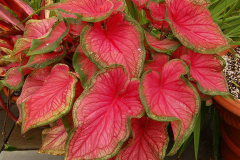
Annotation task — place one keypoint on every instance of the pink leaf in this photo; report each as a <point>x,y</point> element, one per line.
<point>194,27</point>
<point>203,97</point>
<point>77,28</point>
<point>7,16</point>
<point>157,64</point>
<point>150,140</point>
<point>14,78</point>
<point>165,45</point>
<point>101,115</point>
<point>89,10</point>
<point>54,140</point>
<point>118,5</point>
<point>140,3</point>
<point>32,84</point>
<point>51,101</point>
<point>156,14</point>
<point>51,41</point>
<point>179,52</point>
<point>170,97</point>
<point>207,71</point>
<point>83,66</point>
<point>120,41</point>
<point>43,60</point>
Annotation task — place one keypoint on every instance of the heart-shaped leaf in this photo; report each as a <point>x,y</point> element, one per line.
<point>88,10</point>
<point>150,140</point>
<point>155,12</point>
<point>83,66</point>
<point>194,27</point>
<point>157,64</point>
<point>51,41</point>
<point>32,84</point>
<point>119,41</point>
<point>102,113</point>
<point>52,101</point>
<point>14,79</point>
<point>170,97</point>
<point>54,140</point>
<point>207,71</point>
<point>165,45</point>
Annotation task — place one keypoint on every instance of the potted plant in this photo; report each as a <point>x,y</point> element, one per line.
<point>110,76</point>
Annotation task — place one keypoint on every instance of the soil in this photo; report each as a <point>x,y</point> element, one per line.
<point>232,72</point>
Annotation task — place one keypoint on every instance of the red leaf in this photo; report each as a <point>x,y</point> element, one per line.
<point>120,41</point>
<point>207,71</point>
<point>77,28</point>
<point>43,60</point>
<point>83,66</point>
<point>101,115</point>
<point>179,52</point>
<point>170,97</point>
<point>156,14</point>
<point>194,27</point>
<point>157,64</point>
<point>7,16</point>
<point>89,10</point>
<point>203,97</point>
<point>51,41</point>
<point>51,101</point>
<point>150,140</point>
<point>32,84</point>
<point>140,3</point>
<point>165,45</point>
<point>54,140</point>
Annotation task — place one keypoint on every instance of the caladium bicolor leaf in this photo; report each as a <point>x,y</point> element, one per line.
<point>150,140</point>
<point>102,113</point>
<point>38,28</point>
<point>54,140</point>
<point>53,100</point>
<point>165,45</point>
<point>34,29</point>
<point>14,79</point>
<point>51,41</point>
<point>32,84</point>
<point>8,17</point>
<point>207,71</point>
<point>140,3</point>
<point>156,14</point>
<point>170,97</point>
<point>6,43</point>
<point>118,5</point>
<point>179,52</point>
<point>88,10</point>
<point>43,60</point>
<point>77,28</point>
<point>119,42</point>
<point>157,64</point>
<point>203,97</point>
<point>195,27</point>
<point>83,66</point>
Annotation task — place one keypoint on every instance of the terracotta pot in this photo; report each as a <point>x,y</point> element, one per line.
<point>229,111</point>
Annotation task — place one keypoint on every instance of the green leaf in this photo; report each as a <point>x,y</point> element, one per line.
<point>185,145</point>
<point>10,148</point>
<point>196,133</point>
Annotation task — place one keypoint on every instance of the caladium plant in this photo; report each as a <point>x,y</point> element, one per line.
<point>110,76</point>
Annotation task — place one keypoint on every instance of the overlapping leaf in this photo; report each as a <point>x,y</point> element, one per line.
<point>170,97</point>
<point>54,140</point>
<point>89,10</point>
<point>52,101</point>
<point>150,140</point>
<point>83,66</point>
<point>207,71</point>
<point>101,115</point>
<point>165,45</point>
<point>194,27</point>
<point>140,3</point>
<point>51,41</point>
<point>157,64</point>
<point>119,41</point>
